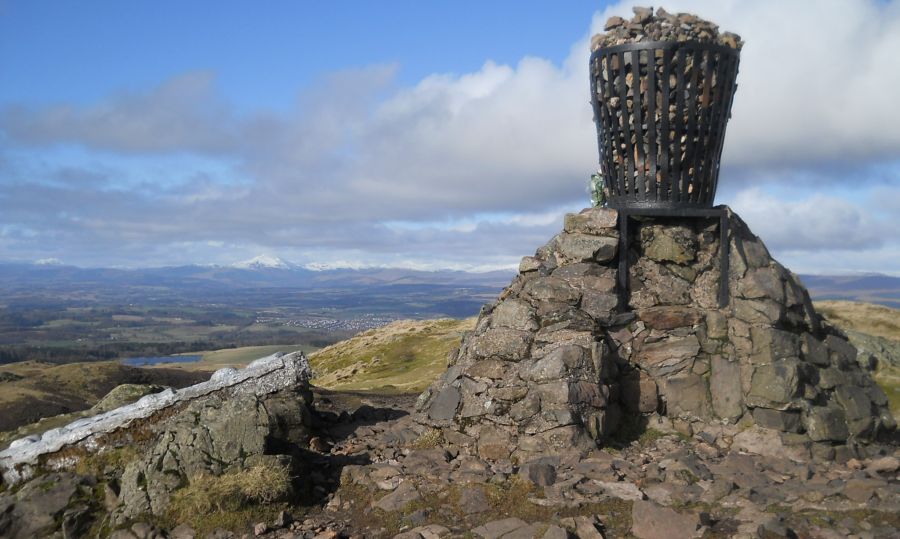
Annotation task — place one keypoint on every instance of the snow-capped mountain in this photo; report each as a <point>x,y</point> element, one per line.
<point>265,262</point>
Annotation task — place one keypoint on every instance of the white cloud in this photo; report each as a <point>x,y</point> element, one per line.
<point>451,168</point>
<point>818,222</point>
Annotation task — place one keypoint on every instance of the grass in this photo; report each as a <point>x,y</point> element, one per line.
<point>877,320</point>
<point>403,356</point>
<point>231,501</point>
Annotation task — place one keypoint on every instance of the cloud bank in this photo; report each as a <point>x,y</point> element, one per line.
<point>463,170</point>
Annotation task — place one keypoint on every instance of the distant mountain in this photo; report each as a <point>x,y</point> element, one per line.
<point>271,272</point>
<point>264,272</point>
<point>264,262</point>
<point>871,288</point>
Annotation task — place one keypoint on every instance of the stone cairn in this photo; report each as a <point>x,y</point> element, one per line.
<point>553,368</point>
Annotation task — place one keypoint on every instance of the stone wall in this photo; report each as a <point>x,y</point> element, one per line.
<point>54,448</point>
<point>552,365</point>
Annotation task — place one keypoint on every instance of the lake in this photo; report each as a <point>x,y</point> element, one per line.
<point>156,360</point>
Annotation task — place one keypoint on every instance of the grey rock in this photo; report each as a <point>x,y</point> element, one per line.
<point>597,221</point>
<point>600,306</point>
<point>651,521</point>
<point>502,343</point>
<point>826,423</point>
<point>639,393</point>
<point>669,355</point>
<point>725,388</point>
<point>529,263</point>
<point>857,408</point>
<point>552,289</point>
<point>669,243</point>
<point>403,495</point>
<point>584,247</point>
<point>32,511</point>
<point>670,317</point>
<point>539,472</point>
<point>688,396</point>
<point>775,384</point>
<point>514,314</point>
<point>815,351</point>
<point>771,345</point>
<point>472,500</point>
<point>788,421</point>
<point>555,532</point>
<point>762,283</point>
<point>498,528</point>
<point>445,404</point>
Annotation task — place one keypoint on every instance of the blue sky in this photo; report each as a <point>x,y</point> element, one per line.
<point>425,134</point>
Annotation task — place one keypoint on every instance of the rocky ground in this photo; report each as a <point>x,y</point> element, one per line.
<point>377,474</point>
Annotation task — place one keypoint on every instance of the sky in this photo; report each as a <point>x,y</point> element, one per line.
<point>441,134</point>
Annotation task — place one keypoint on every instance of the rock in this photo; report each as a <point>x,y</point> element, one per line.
<point>124,394</point>
<point>687,395</point>
<point>884,465</point>
<point>585,247</point>
<point>668,355</point>
<point>613,22</point>
<point>641,14</point>
<point>815,351</point>
<point>473,500</point>
<point>501,343</point>
<point>587,527</point>
<point>514,314</point>
<point>788,421</point>
<point>32,511</point>
<point>444,406</point>
<point>207,437</point>
<point>182,531</point>
<point>260,528</point>
<point>774,384</point>
<point>431,531</point>
<point>857,408</point>
<point>498,528</point>
<point>639,393</point>
<point>670,317</point>
<point>597,221</point>
<point>771,345</point>
<point>669,244</point>
<point>650,521</point>
<point>762,283</point>
<point>826,423</point>
<point>529,263</point>
<point>725,388</point>
<point>861,490</point>
<point>539,472</point>
<point>555,532</point>
<point>622,490</point>
<point>403,495</point>
<point>766,442</point>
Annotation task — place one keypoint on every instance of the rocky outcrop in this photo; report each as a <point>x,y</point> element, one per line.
<point>211,436</point>
<point>257,417</point>
<point>60,447</point>
<point>552,365</point>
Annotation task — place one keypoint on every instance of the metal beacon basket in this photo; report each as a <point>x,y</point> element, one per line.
<point>661,109</point>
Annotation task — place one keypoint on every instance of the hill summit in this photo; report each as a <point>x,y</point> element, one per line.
<point>555,367</point>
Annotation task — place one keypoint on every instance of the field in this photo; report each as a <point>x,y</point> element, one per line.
<point>868,318</point>
<point>404,356</point>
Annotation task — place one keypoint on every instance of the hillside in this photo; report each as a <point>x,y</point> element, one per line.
<point>403,356</point>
